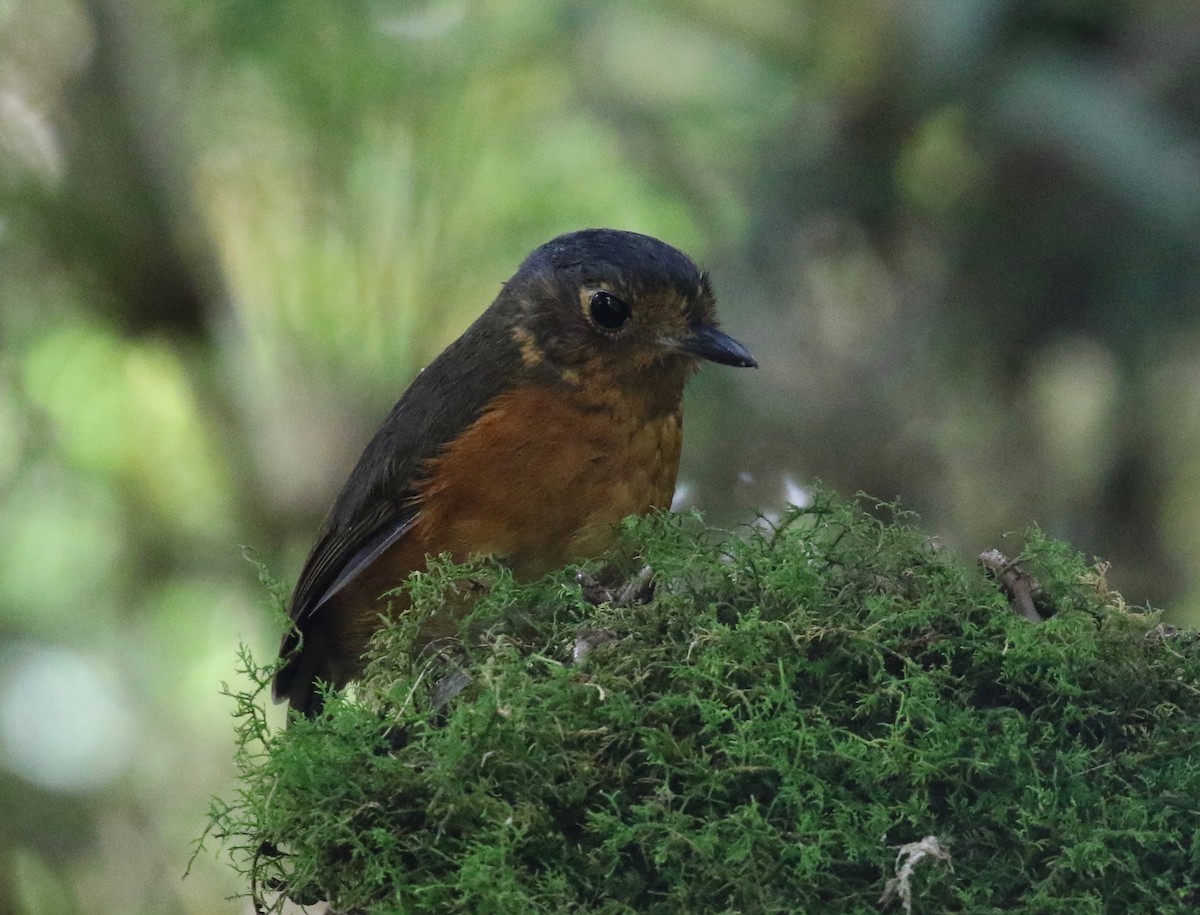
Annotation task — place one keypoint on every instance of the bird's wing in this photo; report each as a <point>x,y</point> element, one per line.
<point>339,555</point>
<point>377,505</point>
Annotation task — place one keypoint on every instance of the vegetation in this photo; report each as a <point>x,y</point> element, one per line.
<point>793,704</point>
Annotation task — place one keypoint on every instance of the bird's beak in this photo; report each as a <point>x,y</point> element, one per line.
<point>706,342</point>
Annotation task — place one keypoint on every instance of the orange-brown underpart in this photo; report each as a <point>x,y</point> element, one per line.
<point>540,479</point>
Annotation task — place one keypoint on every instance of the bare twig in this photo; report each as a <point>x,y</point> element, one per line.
<point>1019,586</point>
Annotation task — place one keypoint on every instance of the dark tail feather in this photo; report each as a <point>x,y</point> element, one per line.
<point>297,680</point>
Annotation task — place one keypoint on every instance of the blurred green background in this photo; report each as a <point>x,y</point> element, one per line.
<point>962,238</point>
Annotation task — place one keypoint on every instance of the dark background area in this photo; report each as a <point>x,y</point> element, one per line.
<point>962,239</point>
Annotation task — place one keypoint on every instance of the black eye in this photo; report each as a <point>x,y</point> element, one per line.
<point>608,311</point>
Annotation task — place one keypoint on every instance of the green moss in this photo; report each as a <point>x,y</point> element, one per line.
<point>792,705</point>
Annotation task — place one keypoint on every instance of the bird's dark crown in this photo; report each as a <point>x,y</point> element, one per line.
<point>637,263</point>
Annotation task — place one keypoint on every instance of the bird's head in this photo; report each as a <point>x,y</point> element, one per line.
<point>615,307</point>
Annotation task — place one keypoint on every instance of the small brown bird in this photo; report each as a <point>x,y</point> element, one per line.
<point>555,415</point>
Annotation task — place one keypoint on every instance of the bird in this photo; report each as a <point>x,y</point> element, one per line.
<point>555,415</point>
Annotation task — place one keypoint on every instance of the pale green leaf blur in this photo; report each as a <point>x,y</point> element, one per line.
<point>962,239</point>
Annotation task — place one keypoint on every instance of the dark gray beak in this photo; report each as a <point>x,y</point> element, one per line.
<point>706,342</point>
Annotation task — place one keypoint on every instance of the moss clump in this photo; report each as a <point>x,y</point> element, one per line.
<point>792,705</point>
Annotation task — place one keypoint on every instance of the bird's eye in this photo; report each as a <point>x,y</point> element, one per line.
<point>609,312</point>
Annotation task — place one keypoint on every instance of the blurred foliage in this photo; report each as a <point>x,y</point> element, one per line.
<point>794,703</point>
<point>962,240</point>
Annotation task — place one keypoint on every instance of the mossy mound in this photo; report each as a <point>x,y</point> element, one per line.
<point>792,705</point>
